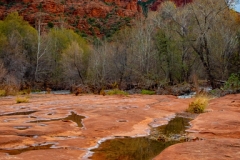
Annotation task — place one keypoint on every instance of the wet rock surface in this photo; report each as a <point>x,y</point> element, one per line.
<point>39,129</point>
<point>214,135</point>
<point>142,148</point>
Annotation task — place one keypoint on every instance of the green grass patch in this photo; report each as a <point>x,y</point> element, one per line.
<point>36,90</point>
<point>148,92</point>
<point>117,92</point>
<point>198,105</point>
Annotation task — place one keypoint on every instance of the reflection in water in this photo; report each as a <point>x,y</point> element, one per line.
<point>140,148</point>
<point>175,128</point>
<point>143,148</point>
<point>21,150</point>
<point>44,120</point>
<point>19,113</point>
<point>73,117</point>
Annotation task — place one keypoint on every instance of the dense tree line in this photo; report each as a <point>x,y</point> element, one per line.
<point>168,47</point>
<point>29,57</point>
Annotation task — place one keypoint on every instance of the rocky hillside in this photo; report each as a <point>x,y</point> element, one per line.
<point>87,17</point>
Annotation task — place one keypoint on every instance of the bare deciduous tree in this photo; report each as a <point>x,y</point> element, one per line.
<point>73,62</point>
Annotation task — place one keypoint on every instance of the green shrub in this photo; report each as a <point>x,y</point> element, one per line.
<point>40,6</point>
<point>109,3</point>
<point>233,83</point>
<point>148,92</point>
<point>63,2</point>
<point>91,20</point>
<point>2,93</point>
<point>117,92</point>
<point>198,105</point>
<point>36,90</point>
<point>50,25</point>
<point>83,34</point>
<point>22,100</point>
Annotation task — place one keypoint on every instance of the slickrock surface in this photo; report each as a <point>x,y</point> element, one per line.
<point>106,116</point>
<point>217,134</point>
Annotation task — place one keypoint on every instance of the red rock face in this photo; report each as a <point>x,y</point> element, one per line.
<point>83,16</point>
<point>181,2</point>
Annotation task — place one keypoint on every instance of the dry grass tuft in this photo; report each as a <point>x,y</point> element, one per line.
<point>199,104</point>
<point>48,90</point>
<point>22,99</point>
<point>2,93</point>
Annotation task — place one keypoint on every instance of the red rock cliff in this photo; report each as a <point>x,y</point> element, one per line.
<point>95,17</point>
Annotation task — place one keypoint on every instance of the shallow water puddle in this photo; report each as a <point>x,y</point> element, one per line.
<point>174,130</point>
<point>25,149</point>
<point>19,113</point>
<point>143,148</point>
<point>21,127</point>
<point>73,117</point>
